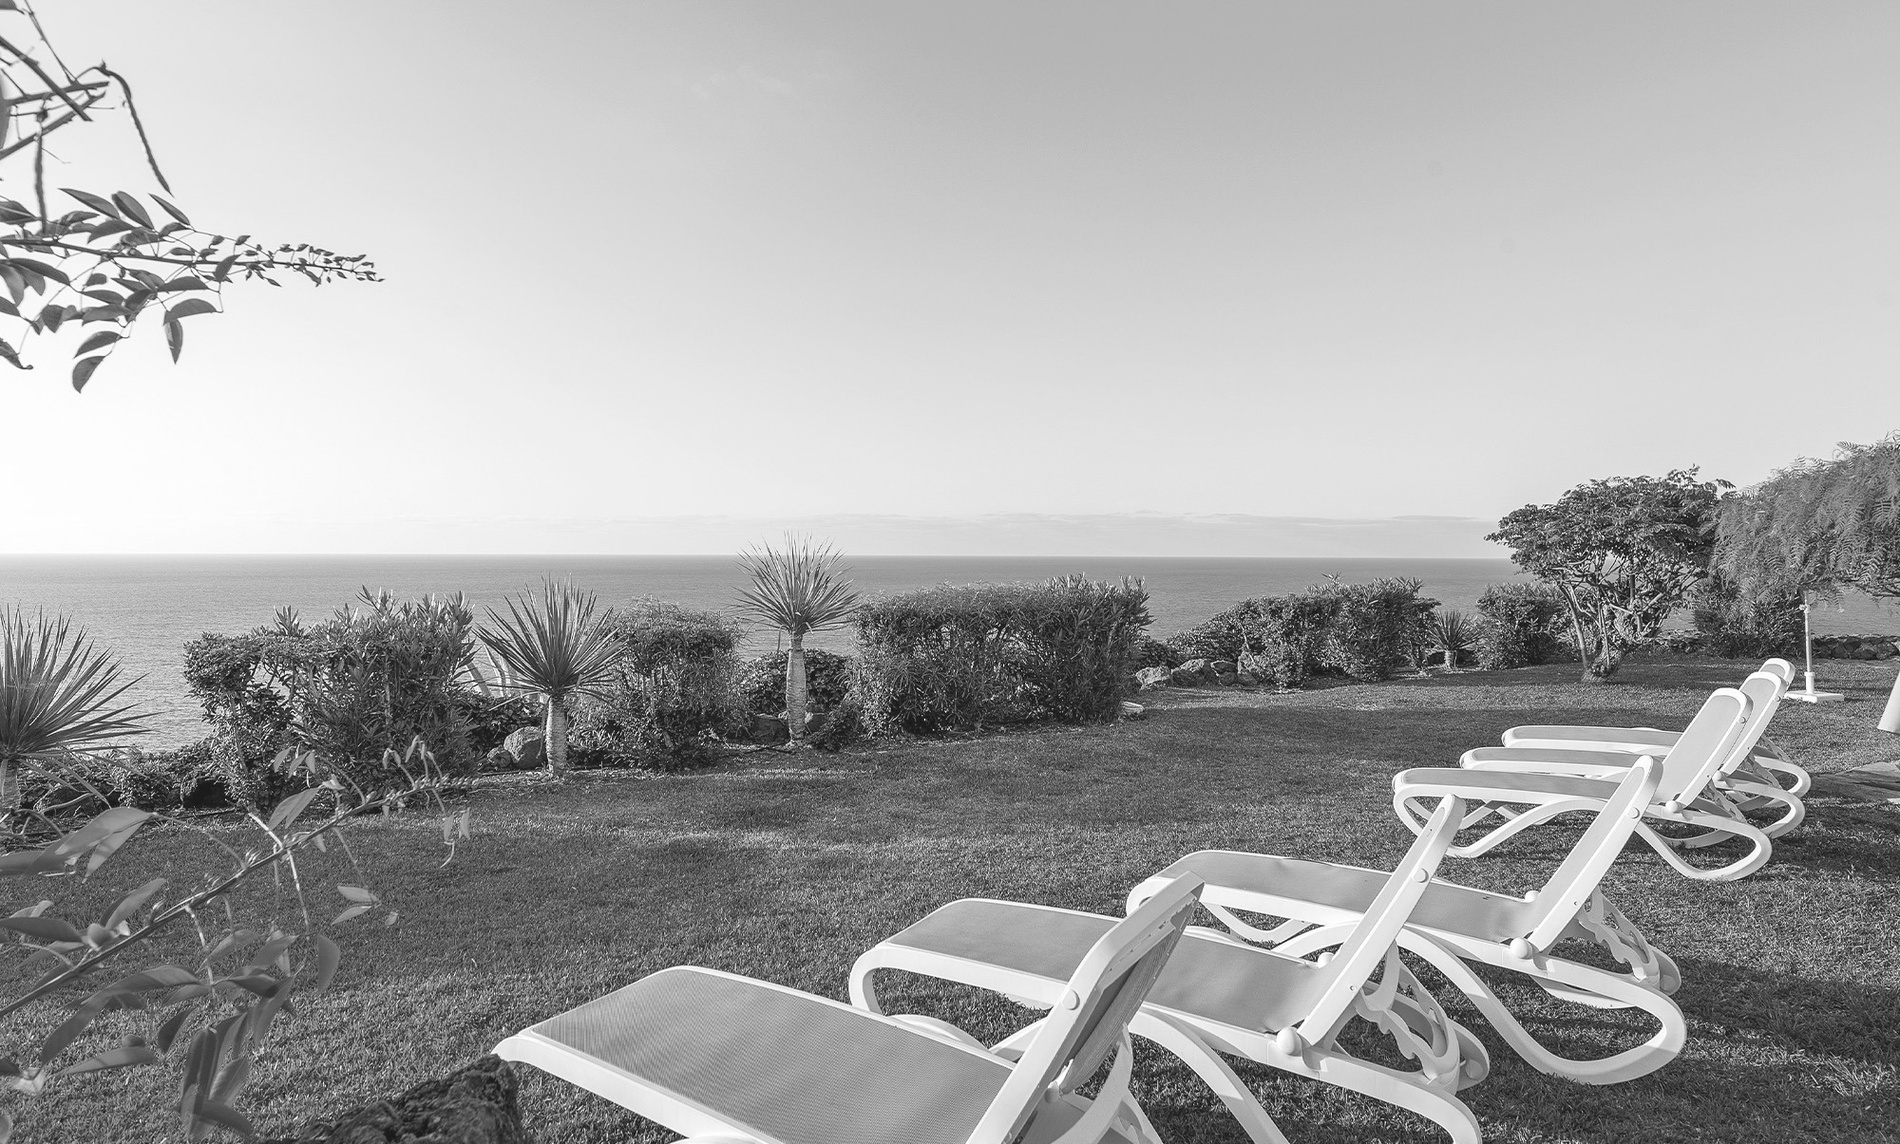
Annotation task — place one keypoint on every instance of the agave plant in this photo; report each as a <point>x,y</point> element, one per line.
<point>58,695</point>
<point>554,647</point>
<point>1453,633</point>
<point>797,591</point>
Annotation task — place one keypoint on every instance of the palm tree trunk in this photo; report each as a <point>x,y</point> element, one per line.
<point>795,701</point>
<point>9,786</point>
<point>555,738</point>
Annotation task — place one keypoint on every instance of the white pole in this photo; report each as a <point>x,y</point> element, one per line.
<point>1807,643</point>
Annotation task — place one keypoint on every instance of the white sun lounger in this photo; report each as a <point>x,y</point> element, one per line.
<point>1765,762</point>
<point>1686,795</point>
<point>730,1060</point>
<point>1219,995</point>
<point>1455,928</point>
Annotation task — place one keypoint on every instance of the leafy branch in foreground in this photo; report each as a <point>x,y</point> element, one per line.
<point>110,260</point>
<point>212,1015</point>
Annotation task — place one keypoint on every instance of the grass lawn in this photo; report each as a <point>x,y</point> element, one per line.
<point>788,868</point>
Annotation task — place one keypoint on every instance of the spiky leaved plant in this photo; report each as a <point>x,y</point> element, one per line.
<point>552,646</point>
<point>797,591</point>
<point>1453,633</point>
<point>58,695</point>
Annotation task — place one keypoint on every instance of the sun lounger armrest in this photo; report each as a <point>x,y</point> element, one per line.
<point>1498,786</point>
<point>1594,763</point>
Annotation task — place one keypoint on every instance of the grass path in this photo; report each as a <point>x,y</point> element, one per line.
<point>788,869</point>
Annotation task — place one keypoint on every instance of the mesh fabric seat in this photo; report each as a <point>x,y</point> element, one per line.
<point>731,1060</point>
<point>795,1067</point>
<point>1217,995</point>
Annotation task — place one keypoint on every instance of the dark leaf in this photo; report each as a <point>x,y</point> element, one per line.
<point>174,338</point>
<point>99,340</point>
<point>168,1032</point>
<point>43,270</point>
<point>45,929</point>
<point>328,958</point>
<point>96,202</point>
<point>82,1016</point>
<point>134,901</point>
<point>133,210</point>
<point>288,810</point>
<point>115,1059</point>
<point>188,307</point>
<point>171,210</point>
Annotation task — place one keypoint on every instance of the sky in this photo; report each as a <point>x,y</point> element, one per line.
<point>1193,278</point>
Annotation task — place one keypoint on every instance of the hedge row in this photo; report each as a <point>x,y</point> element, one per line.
<point>1363,631</point>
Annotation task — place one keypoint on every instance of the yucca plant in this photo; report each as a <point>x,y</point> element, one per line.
<point>554,647</point>
<point>58,695</point>
<point>1453,633</point>
<point>797,591</point>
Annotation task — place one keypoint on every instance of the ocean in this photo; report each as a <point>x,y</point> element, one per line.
<point>145,608</point>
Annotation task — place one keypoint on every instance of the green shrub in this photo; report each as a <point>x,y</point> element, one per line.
<point>1151,652</point>
<point>1755,623</point>
<point>349,690</point>
<point>944,656</point>
<point>828,678</point>
<point>1283,637</point>
<point>1078,640</point>
<point>963,657</point>
<point>673,690</point>
<point>1223,636</point>
<point>1523,626</point>
<point>1372,629</point>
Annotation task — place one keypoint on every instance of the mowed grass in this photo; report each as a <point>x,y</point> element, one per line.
<point>788,868</point>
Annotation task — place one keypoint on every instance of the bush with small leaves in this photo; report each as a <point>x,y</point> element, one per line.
<point>828,677</point>
<point>1522,626</point>
<point>672,690</point>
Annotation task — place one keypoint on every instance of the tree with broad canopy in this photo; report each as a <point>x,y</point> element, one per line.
<point>1624,552</point>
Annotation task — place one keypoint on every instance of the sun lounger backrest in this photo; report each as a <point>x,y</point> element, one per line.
<point>1764,690</point>
<point>1704,745</point>
<point>1092,1016</point>
<point>1581,870</point>
<point>1364,950</point>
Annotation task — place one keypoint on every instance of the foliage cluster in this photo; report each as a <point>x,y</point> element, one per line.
<point>1623,553</point>
<point>1363,631</point>
<point>960,657</point>
<point>1817,524</point>
<point>828,678</point>
<point>1752,622</point>
<point>369,680</point>
<point>1522,625</point>
<point>1373,629</point>
<point>673,686</point>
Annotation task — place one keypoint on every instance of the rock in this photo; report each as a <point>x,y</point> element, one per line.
<point>1223,666</point>
<point>1149,678</point>
<point>1227,678</point>
<point>529,746</point>
<point>767,729</point>
<point>476,1104</point>
<point>1133,710</point>
<point>502,759</point>
<point>1189,674</point>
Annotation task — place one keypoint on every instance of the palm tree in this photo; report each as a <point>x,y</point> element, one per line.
<point>57,696</point>
<point>553,647</point>
<point>797,591</point>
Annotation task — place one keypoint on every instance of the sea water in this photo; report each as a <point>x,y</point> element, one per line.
<point>146,608</point>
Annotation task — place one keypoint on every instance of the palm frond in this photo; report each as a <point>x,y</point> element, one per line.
<point>553,644</point>
<point>798,590</point>
<point>59,693</point>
